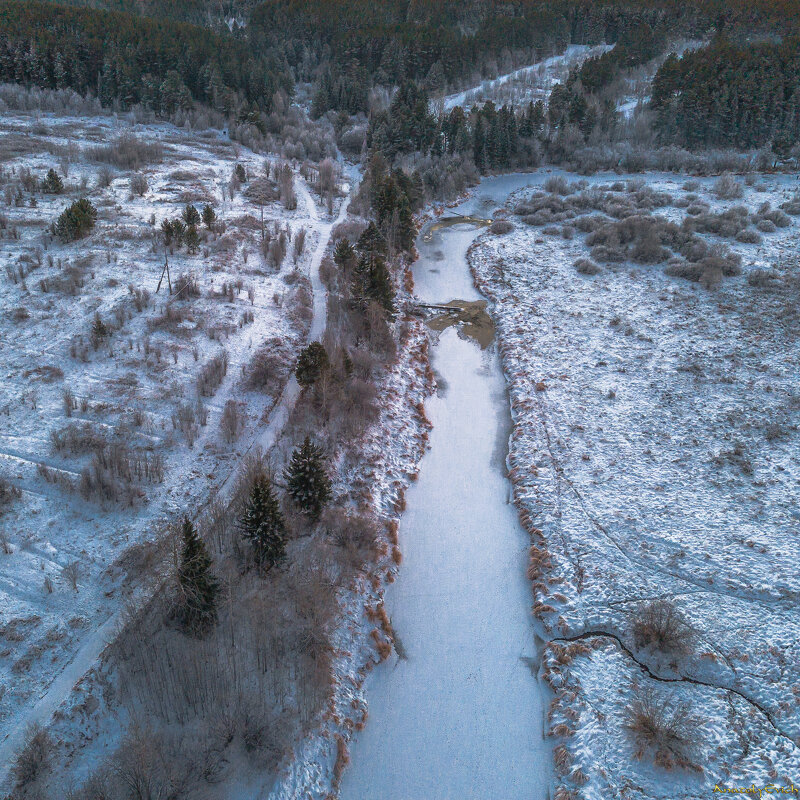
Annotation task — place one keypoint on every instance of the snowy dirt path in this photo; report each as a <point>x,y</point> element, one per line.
<point>95,642</point>
<point>461,715</point>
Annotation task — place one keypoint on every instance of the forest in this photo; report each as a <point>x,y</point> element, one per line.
<point>728,95</point>
<point>345,48</point>
<point>163,65</point>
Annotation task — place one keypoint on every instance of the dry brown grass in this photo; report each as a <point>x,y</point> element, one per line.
<point>660,626</point>
<point>666,728</point>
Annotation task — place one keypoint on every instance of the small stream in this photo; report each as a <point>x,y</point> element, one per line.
<point>461,715</point>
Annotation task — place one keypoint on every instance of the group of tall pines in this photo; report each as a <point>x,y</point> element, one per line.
<point>261,524</point>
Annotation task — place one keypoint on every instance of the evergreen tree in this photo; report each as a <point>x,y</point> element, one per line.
<point>344,255</point>
<point>198,585</point>
<point>307,481</point>
<point>76,221</point>
<point>178,232</point>
<point>52,184</point>
<point>373,282</point>
<point>209,216</point>
<point>192,239</point>
<point>191,216</point>
<point>262,524</point>
<point>313,361</point>
<point>372,240</point>
<point>167,232</point>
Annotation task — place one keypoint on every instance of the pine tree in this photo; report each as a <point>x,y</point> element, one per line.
<point>198,585</point>
<point>313,361</point>
<point>263,525</point>
<point>209,216</point>
<point>192,239</point>
<point>373,282</point>
<point>344,255</point>
<point>307,481</point>
<point>191,216</point>
<point>372,240</point>
<point>52,184</point>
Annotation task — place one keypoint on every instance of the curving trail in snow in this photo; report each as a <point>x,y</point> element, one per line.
<point>94,644</point>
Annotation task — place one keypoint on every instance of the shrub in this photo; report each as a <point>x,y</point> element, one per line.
<point>766,226</point>
<point>748,236</point>
<point>777,217</point>
<point>557,184</point>
<point>211,375</point>
<point>727,187</point>
<point>34,757</point>
<point>586,266</point>
<point>138,184</point>
<point>52,183</point>
<point>127,152</point>
<point>269,367</point>
<point>231,421</point>
<point>500,226</point>
<point>76,221</point>
<point>660,626</point>
<point>666,728</point>
<point>8,493</point>
<point>104,178</point>
<point>762,278</point>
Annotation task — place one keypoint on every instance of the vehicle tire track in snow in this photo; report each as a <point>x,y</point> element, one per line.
<point>93,646</point>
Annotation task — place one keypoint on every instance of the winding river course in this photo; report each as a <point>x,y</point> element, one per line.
<point>459,714</point>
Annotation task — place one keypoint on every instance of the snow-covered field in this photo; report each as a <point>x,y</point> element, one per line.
<point>527,84</point>
<point>121,400</point>
<point>656,455</point>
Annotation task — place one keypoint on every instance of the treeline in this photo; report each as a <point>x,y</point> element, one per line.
<point>727,95</point>
<point>127,59</point>
<point>197,12</point>
<point>348,46</point>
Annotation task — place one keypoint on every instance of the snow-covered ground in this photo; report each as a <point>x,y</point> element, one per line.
<point>656,455</point>
<point>132,392</point>
<point>527,84</point>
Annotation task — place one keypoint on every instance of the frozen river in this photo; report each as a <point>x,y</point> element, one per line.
<point>462,716</point>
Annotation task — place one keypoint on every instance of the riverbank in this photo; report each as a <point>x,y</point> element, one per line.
<point>654,459</point>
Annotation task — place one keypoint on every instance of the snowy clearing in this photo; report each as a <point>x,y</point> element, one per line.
<point>655,456</point>
<point>112,428</point>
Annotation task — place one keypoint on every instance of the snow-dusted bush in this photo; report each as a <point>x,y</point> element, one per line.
<point>231,422</point>
<point>34,758</point>
<point>660,626</point>
<point>269,368</point>
<point>500,226</point>
<point>665,729</point>
<point>211,375</point>
<point>557,184</point>
<point>748,236</point>
<point>727,187</point>
<point>128,151</point>
<point>138,184</point>
<point>766,226</point>
<point>586,267</point>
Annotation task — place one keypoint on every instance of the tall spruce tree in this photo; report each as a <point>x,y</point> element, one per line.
<point>307,481</point>
<point>262,524</point>
<point>313,361</point>
<point>197,583</point>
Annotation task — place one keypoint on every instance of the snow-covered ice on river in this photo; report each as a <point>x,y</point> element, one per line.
<point>462,717</point>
